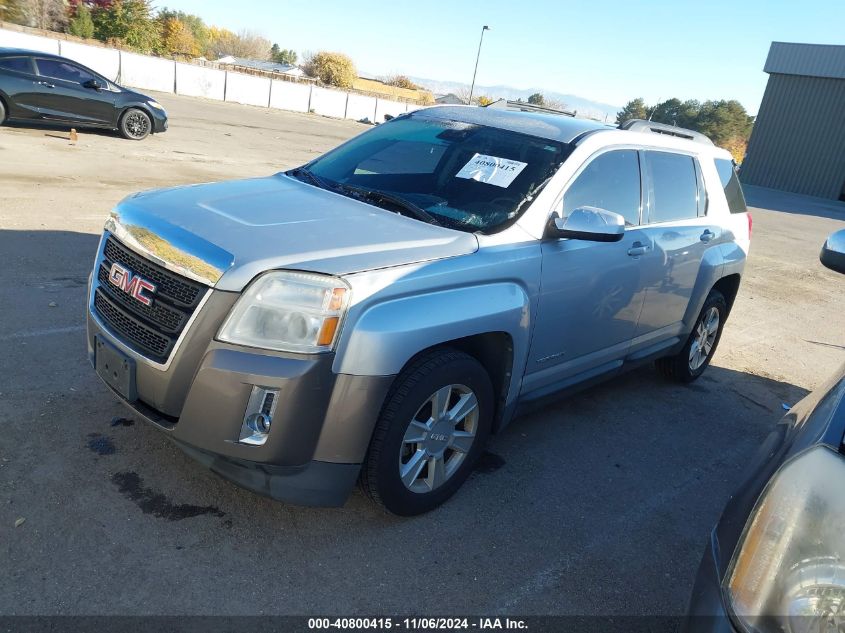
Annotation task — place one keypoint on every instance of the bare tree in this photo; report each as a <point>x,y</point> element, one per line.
<point>42,14</point>
<point>251,45</point>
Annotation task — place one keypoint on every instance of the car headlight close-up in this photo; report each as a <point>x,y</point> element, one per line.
<point>788,572</point>
<point>288,312</point>
<point>156,105</point>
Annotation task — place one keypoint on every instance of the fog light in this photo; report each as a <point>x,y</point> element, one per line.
<point>258,417</point>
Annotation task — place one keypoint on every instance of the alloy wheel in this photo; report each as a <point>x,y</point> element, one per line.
<point>705,337</point>
<point>137,124</point>
<point>438,438</point>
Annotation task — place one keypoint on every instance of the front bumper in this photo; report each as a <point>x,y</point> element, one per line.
<point>321,426</point>
<point>159,119</point>
<point>707,613</point>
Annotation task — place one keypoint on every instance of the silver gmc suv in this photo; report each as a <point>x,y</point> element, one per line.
<point>375,314</point>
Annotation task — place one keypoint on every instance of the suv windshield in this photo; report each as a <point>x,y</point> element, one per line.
<point>464,176</point>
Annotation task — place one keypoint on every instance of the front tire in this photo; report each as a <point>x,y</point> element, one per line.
<point>432,428</point>
<point>695,356</point>
<point>2,112</point>
<point>135,124</point>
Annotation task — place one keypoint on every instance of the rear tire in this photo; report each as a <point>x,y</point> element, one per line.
<point>695,356</point>
<point>2,112</point>
<point>135,124</point>
<point>431,431</point>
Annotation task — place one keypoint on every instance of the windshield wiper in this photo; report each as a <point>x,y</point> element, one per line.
<point>310,175</point>
<point>375,195</point>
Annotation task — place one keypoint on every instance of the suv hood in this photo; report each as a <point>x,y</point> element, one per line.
<point>225,234</point>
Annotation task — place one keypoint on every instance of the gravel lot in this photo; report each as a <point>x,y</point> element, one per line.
<point>599,504</point>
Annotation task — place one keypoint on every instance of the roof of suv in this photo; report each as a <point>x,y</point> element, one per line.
<point>551,126</point>
<point>566,129</point>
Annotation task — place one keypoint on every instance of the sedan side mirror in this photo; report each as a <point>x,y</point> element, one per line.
<point>94,84</point>
<point>588,223</point>
<point>833,252</point>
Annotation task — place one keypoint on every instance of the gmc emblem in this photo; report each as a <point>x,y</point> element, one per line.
<point>131,284</point>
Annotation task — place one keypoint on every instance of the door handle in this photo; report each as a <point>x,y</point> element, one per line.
<point>707,235</point>
<point>638,248</point>
<point>46,84</point>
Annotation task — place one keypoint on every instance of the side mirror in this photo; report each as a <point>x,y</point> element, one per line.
<point>833,252</point>
<point>588,223</point>
<point>94,84</point>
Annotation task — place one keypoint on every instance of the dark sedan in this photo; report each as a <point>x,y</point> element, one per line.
<point>776,559</point>
<point>42,88</point>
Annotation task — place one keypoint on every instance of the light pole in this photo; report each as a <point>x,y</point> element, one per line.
<point>477,57</point>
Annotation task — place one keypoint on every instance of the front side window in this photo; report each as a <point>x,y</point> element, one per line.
<point>730,183</point>
<point>610,182</point>
<point>673,187</point>
<point>464,176</point>
<point>19,64</point>
<point>58,69</point>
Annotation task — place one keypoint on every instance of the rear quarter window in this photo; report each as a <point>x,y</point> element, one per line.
<point>730,183</point>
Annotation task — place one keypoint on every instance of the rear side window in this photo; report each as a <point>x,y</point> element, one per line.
<point>58,69</point>
<point>20,64</point>
<point>730,183</point>
<point>674,187</point>
<point>610,182</point>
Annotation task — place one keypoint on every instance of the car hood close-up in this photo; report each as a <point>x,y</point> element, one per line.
<point>235,230</point>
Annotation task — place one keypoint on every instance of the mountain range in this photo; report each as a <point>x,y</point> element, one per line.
<point>584,107</point>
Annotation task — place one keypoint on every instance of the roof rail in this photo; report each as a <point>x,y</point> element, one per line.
<point>641,125</point>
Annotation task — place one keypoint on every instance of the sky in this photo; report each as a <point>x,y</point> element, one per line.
<point>608,51</point>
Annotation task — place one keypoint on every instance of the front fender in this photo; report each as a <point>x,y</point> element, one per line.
<point>387,335</point>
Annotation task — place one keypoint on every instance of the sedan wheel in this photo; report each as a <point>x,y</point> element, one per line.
<point>135,124</point>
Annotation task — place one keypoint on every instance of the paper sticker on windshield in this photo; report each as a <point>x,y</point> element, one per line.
<point>491,170</point>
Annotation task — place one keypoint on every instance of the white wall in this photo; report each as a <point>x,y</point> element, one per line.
<point>154,73</point>
<point>394,108</point>
<point>105,61</point>
<point>328,102</point>
<point>287,95</point>
<point>150,73</point>
<point>247,89</point>
<point>16,39</point>
<point>196,81</point>
<point>361,107</point>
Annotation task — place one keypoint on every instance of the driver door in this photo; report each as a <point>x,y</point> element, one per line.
<point>65,98</point>
<point>591,293</point>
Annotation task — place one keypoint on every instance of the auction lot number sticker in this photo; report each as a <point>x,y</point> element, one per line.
<point>491,170</point>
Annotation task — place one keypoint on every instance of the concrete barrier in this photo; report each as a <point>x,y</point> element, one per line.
<point>150,73</point>
<point>393,108</point>
<point>328,102</point>
<point>196,81</point>
<point>286,95</point>
<point>16,39</point>
<point>361,107</point>
<point>247,89</point>
<point>105,61</point>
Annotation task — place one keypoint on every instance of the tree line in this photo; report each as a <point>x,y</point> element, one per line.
<point>135,25</point>
<point>726,122</point>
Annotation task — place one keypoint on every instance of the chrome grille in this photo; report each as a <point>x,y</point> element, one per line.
<point>150,330</point>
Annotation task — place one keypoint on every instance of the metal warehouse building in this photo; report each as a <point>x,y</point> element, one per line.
<point>798,140</point>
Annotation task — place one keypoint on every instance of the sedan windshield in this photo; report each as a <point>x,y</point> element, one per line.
<point>460,175</point>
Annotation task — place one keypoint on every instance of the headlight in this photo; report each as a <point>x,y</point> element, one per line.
<point>788,573</point>
<point>156,105</point>
<point>288,312</point>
